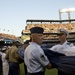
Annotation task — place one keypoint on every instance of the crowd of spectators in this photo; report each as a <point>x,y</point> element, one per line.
<point>52,28</point>
<point>2,35</point>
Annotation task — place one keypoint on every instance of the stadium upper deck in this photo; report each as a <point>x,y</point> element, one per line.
<point>3,35</point>
<point>51,27</point>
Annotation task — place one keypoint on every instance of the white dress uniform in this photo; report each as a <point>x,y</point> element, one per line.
<point>35,58</point>
<point>5,64</point>
<point>61,48</point>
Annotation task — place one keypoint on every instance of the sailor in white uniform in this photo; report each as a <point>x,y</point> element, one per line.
<point>34,57</point>
<point>62,47</point>
<point>5,64</point>
<point>64,44</point>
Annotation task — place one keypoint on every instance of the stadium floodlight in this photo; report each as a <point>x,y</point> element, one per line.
<point>62,10</point>
<point>66,10</point>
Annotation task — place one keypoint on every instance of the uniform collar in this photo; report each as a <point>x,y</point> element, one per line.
<point>34,43</point>
<point>65,43</point>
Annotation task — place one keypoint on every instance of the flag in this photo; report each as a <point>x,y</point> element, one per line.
<point>64,63</point>
<point>60,61</point>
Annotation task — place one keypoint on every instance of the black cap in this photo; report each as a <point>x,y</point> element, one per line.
<point>37,30</point>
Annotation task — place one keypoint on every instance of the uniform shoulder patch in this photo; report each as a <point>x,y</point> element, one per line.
<point>42,57</point>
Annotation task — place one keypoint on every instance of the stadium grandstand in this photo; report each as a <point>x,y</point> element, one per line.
<point>51,27</point>
<point>3,35</point>
<point>7,39</point>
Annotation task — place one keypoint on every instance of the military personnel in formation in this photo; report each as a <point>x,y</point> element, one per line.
<point>0,66</point>
<point>13,57</point>
<point>34,57</point>
<point>5,65</point>
<point>26,43</point>
<point>62,34</point>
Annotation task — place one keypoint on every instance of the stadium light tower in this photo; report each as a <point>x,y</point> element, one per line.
<point>68,11</point>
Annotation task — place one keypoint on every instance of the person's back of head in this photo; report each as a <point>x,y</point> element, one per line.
<point>26,43</point>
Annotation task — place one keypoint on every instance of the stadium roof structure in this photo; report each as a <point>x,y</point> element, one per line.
<point>67,10</point>
<point>50,20</point>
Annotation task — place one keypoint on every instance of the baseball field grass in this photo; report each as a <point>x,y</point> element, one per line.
<point>48,72</point>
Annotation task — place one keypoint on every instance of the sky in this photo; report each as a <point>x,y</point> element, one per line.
<point>14,13</point>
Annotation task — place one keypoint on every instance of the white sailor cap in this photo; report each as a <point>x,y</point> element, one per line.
<point>4,48</point>
<point>63,31</point>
